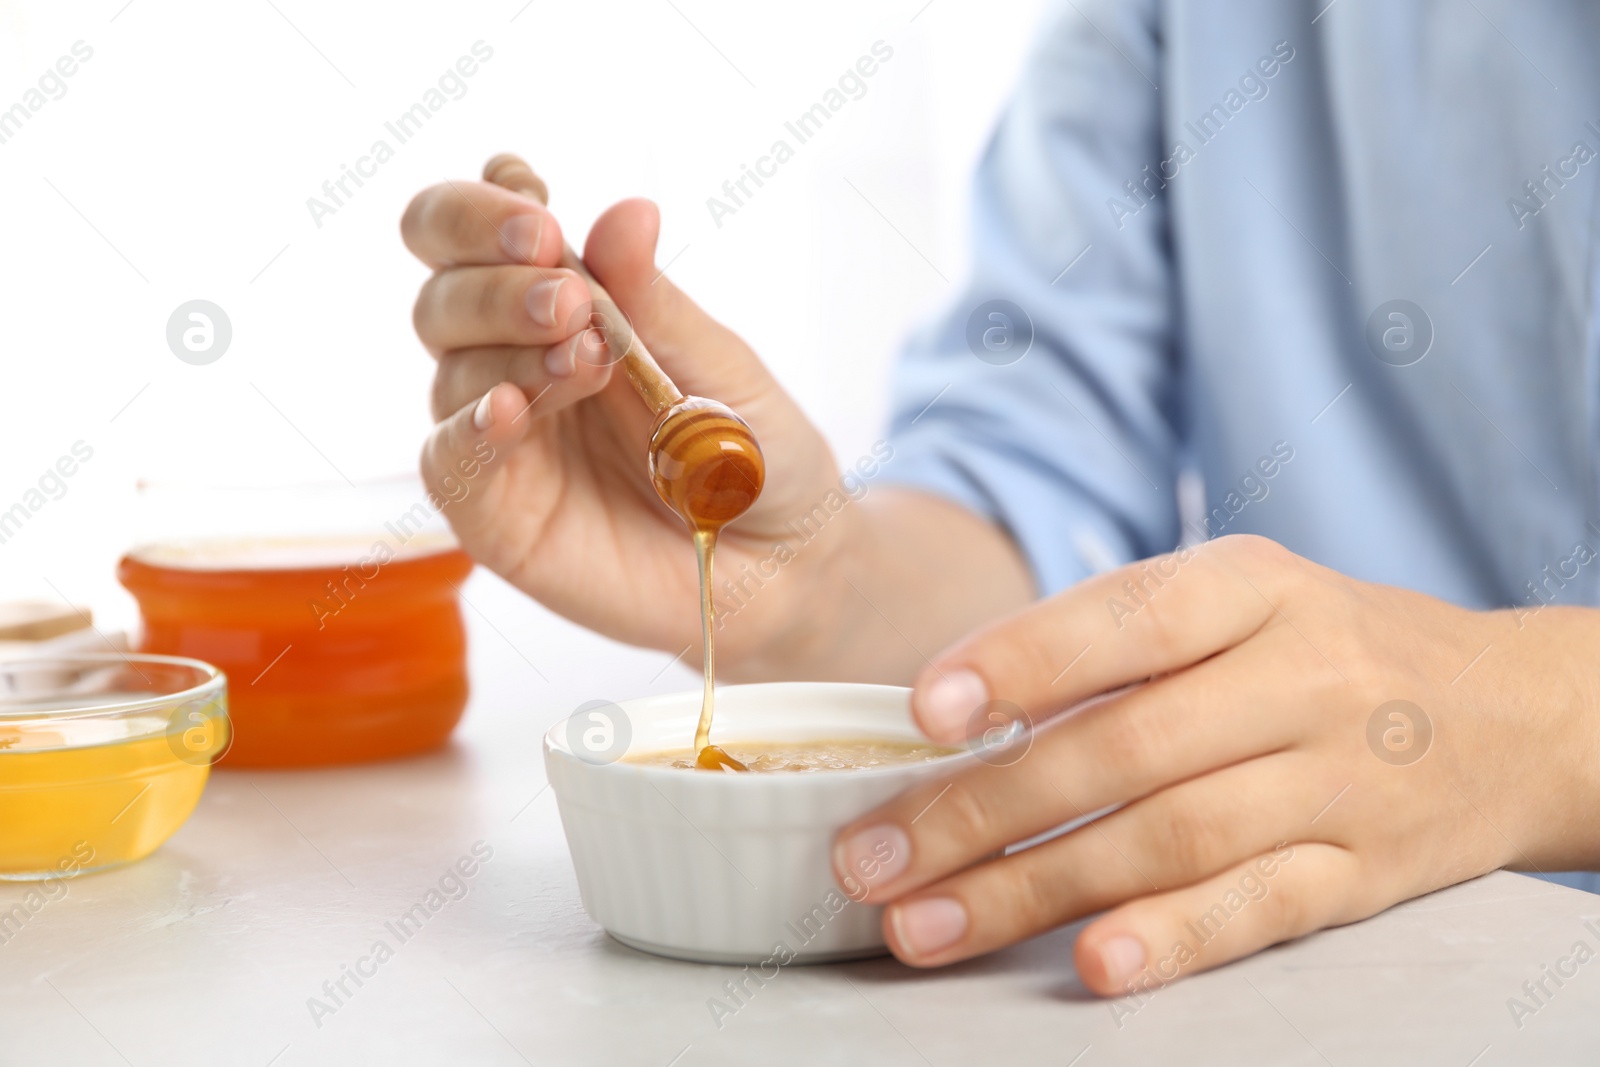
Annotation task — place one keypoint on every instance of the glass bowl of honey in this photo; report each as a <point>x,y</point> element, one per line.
<point>102,757</point>
<point>335,610</point>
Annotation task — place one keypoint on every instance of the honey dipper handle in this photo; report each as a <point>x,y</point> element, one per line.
<point>649,380</point>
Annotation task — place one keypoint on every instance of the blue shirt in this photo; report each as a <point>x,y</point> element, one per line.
<point>1335,259</point>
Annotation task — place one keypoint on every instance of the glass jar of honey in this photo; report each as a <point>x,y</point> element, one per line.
<point>337,649</point>
<point>333,607</point>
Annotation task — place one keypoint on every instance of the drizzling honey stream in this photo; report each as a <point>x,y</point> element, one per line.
<point>704,461</point>
<point>707,467</point>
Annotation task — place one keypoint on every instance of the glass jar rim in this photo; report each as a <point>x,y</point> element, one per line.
<point>212,684</point>
<point>288,553</point>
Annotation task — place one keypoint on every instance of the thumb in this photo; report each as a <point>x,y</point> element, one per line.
<point>700,354</point>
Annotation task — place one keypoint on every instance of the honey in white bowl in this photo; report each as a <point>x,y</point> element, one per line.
<point>802,757</point>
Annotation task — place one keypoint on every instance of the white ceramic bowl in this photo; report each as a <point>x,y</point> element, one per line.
<point>726,868</point>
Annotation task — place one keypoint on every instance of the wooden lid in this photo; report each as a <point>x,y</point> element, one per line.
<point>39,620</point>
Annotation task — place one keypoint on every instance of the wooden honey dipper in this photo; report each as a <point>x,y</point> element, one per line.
<point>704,461</point>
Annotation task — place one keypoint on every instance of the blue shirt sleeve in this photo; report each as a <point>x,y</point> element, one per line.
<point>1044,398</point>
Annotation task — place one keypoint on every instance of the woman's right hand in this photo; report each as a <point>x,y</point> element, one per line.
<point>565,510</point>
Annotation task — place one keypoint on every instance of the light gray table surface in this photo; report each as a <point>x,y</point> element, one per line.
<point>209,951</point>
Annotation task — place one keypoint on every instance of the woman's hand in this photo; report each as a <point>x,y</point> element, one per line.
<point>1306,750</point>
<point>565,509</point>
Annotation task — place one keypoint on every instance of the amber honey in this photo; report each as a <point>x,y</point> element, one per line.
<point>854,754</point>
<point>102,757</point>
<point>335,651</point>
<point>706,466</point>
<point>99,794</point>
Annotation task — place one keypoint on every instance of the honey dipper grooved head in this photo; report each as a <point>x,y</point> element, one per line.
<point>705,463</point>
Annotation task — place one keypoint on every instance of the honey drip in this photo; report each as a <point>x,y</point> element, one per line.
<point>706,466</point>
<point>709,756</point>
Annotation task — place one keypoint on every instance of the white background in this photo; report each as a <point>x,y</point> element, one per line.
<point>178,164</point>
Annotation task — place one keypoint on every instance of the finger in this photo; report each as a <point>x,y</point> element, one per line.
<point>1177,837</point>
<point>1221,712</point>
<point>464,465</point>
<point>476,223</point>
<point>550,373</point>
<point>700,354</point>
<point>1280,895</point>
<point>512,172</point>
<point>1108,631</point>
<point>508,305</point>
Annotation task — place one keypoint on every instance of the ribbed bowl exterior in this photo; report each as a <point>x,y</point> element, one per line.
<point>731,867</point>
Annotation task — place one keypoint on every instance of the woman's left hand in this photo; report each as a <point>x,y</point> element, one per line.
<point>1306,751</point>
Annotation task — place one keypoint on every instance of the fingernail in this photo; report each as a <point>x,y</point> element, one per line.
<point>925,926</point>
<point>946,705</point>
<point>873,856</point>
<point>558,361</point>
<point>1122,958</point>
<point>482,417</point>
<point>519,236</point>
<point>541,300</point>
